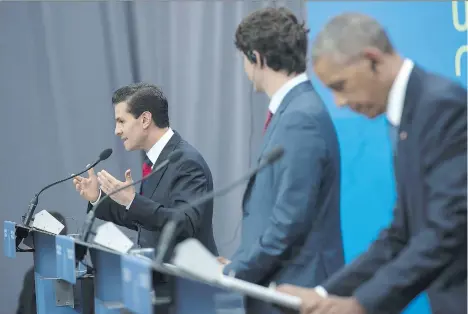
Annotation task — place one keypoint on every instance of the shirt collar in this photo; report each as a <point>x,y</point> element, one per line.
<point>158,147</point>
<point>278,97</point>
<point>396,96</point>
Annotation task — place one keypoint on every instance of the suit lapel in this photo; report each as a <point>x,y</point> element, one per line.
<point>413,91</point>
<point>297,90</point>
<point>150,186</point>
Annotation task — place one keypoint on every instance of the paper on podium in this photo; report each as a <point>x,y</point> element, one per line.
<point>194,259</point>
<point>109,236</point>
<point>46,222</point>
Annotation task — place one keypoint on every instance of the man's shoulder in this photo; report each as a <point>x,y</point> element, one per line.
<point>191,155</point>
<point>434,97</point>
<point>436,88</point>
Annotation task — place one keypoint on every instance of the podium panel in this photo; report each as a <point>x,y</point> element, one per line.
<point>196,297</point>
<point>9,239</point>
<point>137,284</point>
<point>65,250</point>
<point>107,281</point>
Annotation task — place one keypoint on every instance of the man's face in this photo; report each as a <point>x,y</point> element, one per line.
<point>355,85</point>
<point>128,128</point>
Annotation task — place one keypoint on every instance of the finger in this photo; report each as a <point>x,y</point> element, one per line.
<point>104,184</point>
<point>78,179</point>
<point>106,179</point>
<point>91,173</point>
<point>324,307</point>
<point>78,187</point>
<point>289,289</point>
<point>110,178</point>
<point>128,176</point>
<point>104,188</point>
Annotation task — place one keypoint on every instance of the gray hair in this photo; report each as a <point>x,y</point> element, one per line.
<point>345,36</point>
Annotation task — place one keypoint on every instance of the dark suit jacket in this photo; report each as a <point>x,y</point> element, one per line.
<point>162,196</point>
<point>291,220</point>
<point>424,248</point>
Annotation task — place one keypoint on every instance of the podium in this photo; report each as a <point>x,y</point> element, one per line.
<point>61,286</point>
<point>123,283</point>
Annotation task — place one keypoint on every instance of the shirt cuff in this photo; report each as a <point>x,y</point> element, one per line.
<point>99,197</point>
<point>321,291</point>
<point>128,206</point>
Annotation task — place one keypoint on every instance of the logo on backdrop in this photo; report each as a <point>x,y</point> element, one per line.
<point>463,50</point>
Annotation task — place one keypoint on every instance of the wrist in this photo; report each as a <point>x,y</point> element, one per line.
<point>129,203</point>
<point>98,197</point>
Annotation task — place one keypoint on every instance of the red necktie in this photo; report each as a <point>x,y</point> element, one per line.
<point>146,169</point>
<point>268,119</point>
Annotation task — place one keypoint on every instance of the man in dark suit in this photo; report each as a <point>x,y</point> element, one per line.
<point>424,248</point>
<point>291,210</point>
<point>142,122</point>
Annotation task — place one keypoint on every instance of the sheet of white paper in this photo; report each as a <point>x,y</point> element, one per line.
<point>194,259</point>
<point>44,221</point>
<point>109,236</point>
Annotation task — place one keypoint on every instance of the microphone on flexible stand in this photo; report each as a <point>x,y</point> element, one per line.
<point>170,229</point>
<point>33,203</point>
<point>173,157</point>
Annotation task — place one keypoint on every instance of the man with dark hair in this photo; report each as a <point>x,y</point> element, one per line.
<point>142,122</point>
<point>424,248</point>
<point>291,210</point>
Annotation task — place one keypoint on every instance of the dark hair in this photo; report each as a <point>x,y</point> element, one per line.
<point>141,97</point>
<point>277,36</point>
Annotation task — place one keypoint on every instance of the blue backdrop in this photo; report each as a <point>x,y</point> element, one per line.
<point>430,33</point>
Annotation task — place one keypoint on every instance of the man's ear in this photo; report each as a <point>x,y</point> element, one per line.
<point>375,57</point>
<point>146,118</point>
<point>258,58</point>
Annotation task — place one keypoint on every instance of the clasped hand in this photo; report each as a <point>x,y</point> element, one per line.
<point>313,303</point>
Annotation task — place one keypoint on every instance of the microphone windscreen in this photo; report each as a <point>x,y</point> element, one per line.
<point>275,154</point>
<point>105,154</point>
<point>174,156</point>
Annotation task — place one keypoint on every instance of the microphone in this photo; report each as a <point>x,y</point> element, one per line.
<point>170,228</point>
<point>274,155</point>
<point>33,203</point>
<point>173,157</point>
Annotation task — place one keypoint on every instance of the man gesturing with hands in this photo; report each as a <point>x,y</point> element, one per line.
<point>142,122</point>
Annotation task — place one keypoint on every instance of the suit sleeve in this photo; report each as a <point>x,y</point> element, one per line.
<point>189,184</point>
<point>388,244</point>
<point>297,177</point>
<point>426,255</point>
<point>111,211</point>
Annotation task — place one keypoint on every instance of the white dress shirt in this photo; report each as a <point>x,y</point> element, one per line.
<point>152,154</point>
<point>279,95</point>
<point>396,96</point>
<point>396,100</point>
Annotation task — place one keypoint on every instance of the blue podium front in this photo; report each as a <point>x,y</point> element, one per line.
<point>57,291</point>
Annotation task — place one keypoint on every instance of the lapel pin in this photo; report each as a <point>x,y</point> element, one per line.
<point>403,135</point>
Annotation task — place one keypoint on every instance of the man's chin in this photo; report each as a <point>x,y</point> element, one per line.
<point>128,147</point>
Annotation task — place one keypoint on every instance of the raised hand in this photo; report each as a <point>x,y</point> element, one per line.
<point>109,184</point>
<point>87,187</point>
